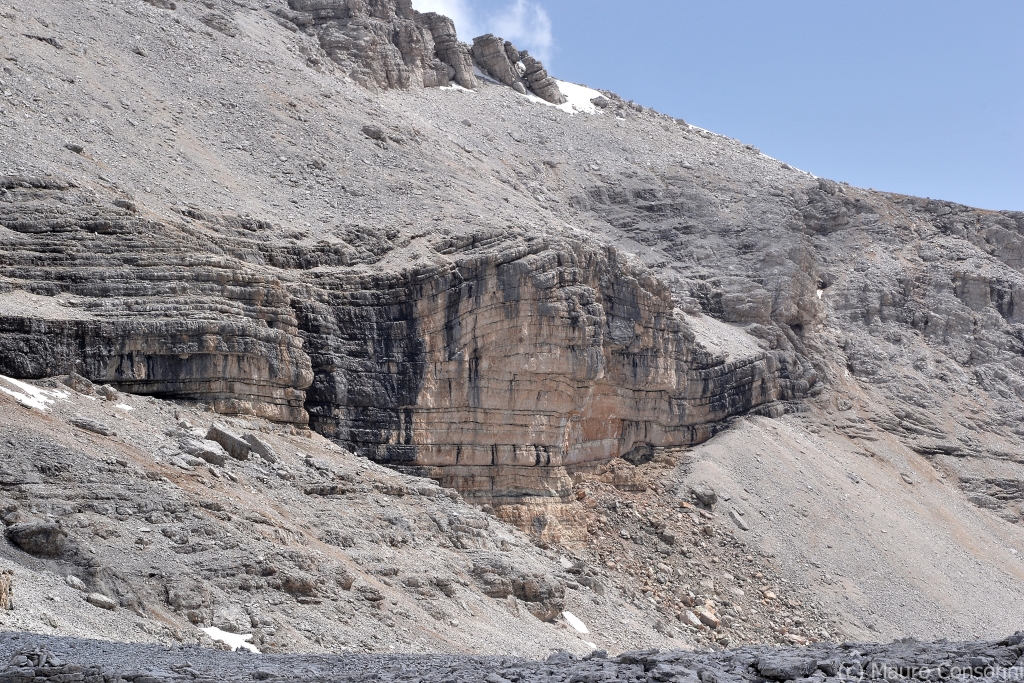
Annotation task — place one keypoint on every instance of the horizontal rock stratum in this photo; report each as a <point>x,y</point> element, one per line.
<point>500,368</point>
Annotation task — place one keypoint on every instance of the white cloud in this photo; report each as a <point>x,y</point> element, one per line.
<point>527,25</point>
<point>524,22</point>
<point>458,11</point>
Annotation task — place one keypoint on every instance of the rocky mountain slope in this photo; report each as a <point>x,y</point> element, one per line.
<point>743,404</point>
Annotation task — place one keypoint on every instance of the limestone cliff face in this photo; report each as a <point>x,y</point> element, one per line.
<point>500,368</point>
<point>149,307</point>
<point>501,373</point>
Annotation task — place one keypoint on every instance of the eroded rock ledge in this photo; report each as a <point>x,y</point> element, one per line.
<point>502,373</point>
<point>500,368</point>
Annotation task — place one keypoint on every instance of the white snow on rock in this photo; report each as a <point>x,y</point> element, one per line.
<point>123,406</point>
<point>482,76</point>
<point>576,622</point>
<point>29,395</point>
<point>578,97</point>
<point>233,640</point>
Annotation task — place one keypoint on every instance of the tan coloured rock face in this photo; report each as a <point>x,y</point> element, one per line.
<point>510,371</point>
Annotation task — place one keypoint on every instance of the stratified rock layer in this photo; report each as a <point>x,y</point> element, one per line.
<point>499,368</point>
<point>500,374</point>
<point>149,307</point>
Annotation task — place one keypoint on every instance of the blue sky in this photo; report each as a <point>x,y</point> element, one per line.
<point>912,96</point>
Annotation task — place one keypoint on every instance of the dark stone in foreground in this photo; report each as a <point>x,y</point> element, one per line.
<point>38,538</point>
<point>42,658</point>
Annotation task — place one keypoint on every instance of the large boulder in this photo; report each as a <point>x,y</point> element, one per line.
<point>785,667</point>
<point>44,539</point>
<point>543,594</point>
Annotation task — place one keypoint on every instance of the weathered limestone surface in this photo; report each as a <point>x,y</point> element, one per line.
<point>500,374</point>
<point>499,369</point>
<point>387,44</point>
<point>145,306</point>
<point>455,55</point>
<point>504,63</point>
<point>379,43</point>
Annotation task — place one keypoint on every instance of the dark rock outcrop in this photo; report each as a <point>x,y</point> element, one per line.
<point>38,538</point>
<point>906,659</point>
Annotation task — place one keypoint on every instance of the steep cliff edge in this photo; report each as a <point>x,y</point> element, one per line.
<point>500,374</point>
<point>146,306</point>
<point>501,368</point>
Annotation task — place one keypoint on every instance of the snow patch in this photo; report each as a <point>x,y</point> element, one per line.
<point>233,640</point>
<point>482,76</point>
<point>576,622</point>
<point>565,562</point>
<point>123,406</point>
<point>29,395</point>
<point>820,292</point>
<point>578,97</point>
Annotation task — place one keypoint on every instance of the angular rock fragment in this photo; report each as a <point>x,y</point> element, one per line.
<point>235,445</point>
<point>738,520</point>
<point>691,619</point>
<point>75,582</point>
<point>221,23</point>
<point>261,448</point>
<point>704,494</point>
<point>708,618</point>
<point>101,601</point>
<point>374,133</point>
<point>785,667</point>
<point>79,383</point>
<point>44,539</point>
<point>108,392</point>
<point>209,451</point>
<point>93,426</point>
